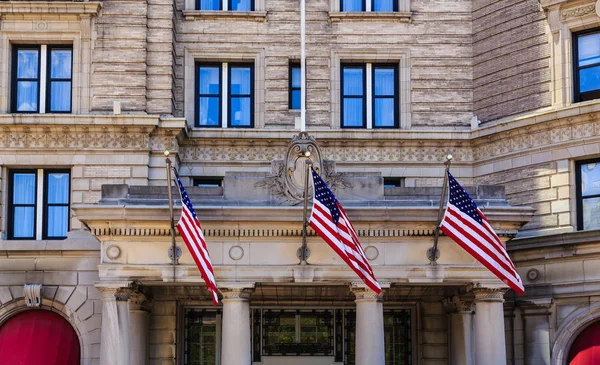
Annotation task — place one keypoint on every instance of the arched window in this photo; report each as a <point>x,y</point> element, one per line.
<point>586,348</point>
<point>38,337</point>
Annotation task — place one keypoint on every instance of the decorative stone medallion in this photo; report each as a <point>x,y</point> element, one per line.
<point>533,274</point>
<point>113,252</point>
<point>236,252</point>
<point>371,252</point>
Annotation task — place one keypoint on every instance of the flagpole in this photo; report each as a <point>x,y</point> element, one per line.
<point>302,65</point>
<point>303,250</point>
<point>433,253</point>
<point>169,185</point>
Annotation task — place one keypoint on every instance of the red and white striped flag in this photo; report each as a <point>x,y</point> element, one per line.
<point>467,226</point>
<point>330,222</point>
<point>191,232</point>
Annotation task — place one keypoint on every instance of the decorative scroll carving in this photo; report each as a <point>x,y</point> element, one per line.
<point>578,12</point>
<point>33,295</point>
<point>295,163</point>
<point>457,305</point>
<point>362,293</point>
<point>236,293</point>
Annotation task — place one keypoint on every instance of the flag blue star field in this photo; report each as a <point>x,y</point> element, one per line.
<point>330,221</point>
<point>191,232</point>
<point>467,226</point>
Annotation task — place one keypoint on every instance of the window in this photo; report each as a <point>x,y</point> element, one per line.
<point>42,79</point>
<point>295,86</point>
<point>234,5</point>
<point>297,333</point>
<point>393,182</point>
<point>38,204</point>
<point>586,50</point>
<point>369,96</point>
<point>397,332</point>
<point>236,80</point>
<point>201,337</point>
<point>208,182</point>
<point>588,194</point>
<point>369,5</point>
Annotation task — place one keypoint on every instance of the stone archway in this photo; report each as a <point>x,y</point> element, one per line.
<point>14,307</point>
<point>573,326</point>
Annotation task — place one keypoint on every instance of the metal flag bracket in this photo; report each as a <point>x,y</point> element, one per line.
<point>433,254</point>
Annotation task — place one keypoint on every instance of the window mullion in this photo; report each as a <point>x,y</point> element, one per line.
<point>369,90</point>
<point>297,328</point>
<point>225,92</point>
<point>43,77</point>
<point>39,209</point>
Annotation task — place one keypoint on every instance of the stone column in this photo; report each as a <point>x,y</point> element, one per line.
<point>235,348</point>
<point>461,331</point>
<point>490,348</point>
<point>139,322</point>
<point>370,348</point>
<point>536,315</point>
<point>115,345</point>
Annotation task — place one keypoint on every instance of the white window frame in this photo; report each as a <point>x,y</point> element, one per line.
<point>401,57</point>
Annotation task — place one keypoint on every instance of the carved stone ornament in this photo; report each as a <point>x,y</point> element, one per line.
<point>362,293</point>
<point>489,294</point>
<point>295,160</point>
<point>579,12</point>
<point>33,295</point>
<point>457,305</point>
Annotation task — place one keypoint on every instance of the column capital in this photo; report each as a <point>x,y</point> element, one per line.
<point>489,294</point>
<point>114,290</point>
<point>458,305</point>
<point>236,291</point>
<point>362,292</point>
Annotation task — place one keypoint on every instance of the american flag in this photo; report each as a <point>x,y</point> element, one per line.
<point>330,222</point>
<point>191,232</point>
<point>467,226</point>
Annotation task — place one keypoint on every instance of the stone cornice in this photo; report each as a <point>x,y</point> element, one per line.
<point>386,275</point>
<point>389,220</point>
<point>50,7</point>
<point>542,242</point>
<point>258,16</point>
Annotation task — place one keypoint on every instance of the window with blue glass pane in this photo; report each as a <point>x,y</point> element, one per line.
<point>352,5</point>
<point>384,5</point>
<point>295,89</point>
<point>353,96</point>
<point>385,96</point>
<point>26,84</point>
<point>240,95</point>
<point>22,205</point>
<point>60,80</point>
<point>57,204</point>
<point>587,65</point>
<point>26,206</point>
<point>241,5</point>
<point>208,4</point>
<point>588,194</point>
<point>209,96</point>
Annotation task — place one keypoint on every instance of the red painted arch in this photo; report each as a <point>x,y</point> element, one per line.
<point>38,337</point>
<point>586,348</point>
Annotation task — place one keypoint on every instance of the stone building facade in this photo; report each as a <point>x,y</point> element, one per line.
<point>92,94</point>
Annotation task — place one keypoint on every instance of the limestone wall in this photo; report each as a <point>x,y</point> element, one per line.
<point>511,58</point>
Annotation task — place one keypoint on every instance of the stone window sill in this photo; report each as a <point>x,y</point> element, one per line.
<point>338,16</point>
<point>259,16</point>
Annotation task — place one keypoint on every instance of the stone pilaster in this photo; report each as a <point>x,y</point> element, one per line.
<point>235,349</point>
<point>370,348</point>
<point>490,341</point>
<point>536,316</point>
<point>115,335</point>
<point>139,320</point>
<point>461,330</point>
